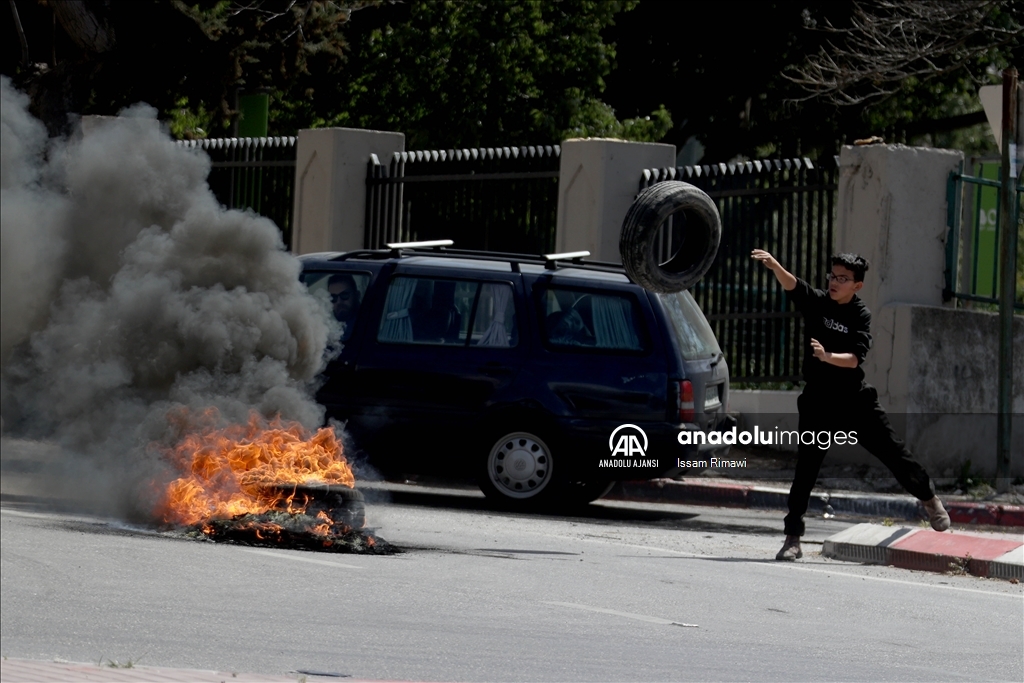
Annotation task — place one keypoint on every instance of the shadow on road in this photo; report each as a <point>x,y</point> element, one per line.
<point>603,512</point>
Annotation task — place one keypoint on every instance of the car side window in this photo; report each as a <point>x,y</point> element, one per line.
<point>344,289</point>
<point>574,319</point>
<point>421,310</point>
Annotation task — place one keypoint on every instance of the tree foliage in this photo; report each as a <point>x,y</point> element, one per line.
<point>98,56</point>
<point>890,45</point>
<point>466,73</point>
<point>444,72</point>
<point>721,70</point>
<point>750,79</point>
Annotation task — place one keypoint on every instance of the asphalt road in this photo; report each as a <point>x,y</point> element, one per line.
<point>626,592</point>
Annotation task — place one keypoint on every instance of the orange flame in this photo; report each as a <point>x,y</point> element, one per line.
<point>240,469</point>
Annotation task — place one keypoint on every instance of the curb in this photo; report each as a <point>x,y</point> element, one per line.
<point>927,550</point>
<point>903,507</point>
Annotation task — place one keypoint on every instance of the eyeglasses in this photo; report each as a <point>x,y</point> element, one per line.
<point>841,279</point>
<point>342,296</point>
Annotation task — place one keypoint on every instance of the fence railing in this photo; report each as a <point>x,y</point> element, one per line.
<point>784,206</point>
<point>972,244</point>
<point>494,199</point>
<point>253,173</point>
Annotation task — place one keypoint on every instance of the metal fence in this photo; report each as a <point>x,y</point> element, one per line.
<point>972,244</point>
<point>784,206</point>
<point>253,173</point>
<point>494,199</point>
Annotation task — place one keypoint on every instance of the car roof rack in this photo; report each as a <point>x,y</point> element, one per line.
<point>576,257</point>
<point>440,248</point>
<point>397,247</point>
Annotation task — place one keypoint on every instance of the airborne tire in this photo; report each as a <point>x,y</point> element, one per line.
<point>640,234</point>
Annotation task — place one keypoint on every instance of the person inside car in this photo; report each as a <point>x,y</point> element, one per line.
<point>344,301</point>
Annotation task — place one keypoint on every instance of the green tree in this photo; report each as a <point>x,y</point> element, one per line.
<point>445,73</point>
<point>452,73</point>
<point>186,59</point>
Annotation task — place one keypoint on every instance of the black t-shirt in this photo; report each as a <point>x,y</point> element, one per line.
<point>841,328</point>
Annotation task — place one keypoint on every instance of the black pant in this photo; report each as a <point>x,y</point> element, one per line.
<point>856,409</point>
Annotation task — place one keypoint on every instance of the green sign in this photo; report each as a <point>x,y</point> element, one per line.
<point>252,115</point>
<point>984,242</point>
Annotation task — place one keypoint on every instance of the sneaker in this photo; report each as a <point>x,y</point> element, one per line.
<point>790,550</point>
<point>937,514</point>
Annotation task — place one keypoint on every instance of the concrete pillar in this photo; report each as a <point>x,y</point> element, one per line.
<point>892,211</point>
<point>330,185</point>
<point>598,179</point>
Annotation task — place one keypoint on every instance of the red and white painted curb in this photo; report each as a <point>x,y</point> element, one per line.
<point>996,555</point>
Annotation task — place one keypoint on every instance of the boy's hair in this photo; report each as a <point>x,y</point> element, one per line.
<point>854,262</point>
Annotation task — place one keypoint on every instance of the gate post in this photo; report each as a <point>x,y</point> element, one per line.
<point>892,211</point>
<point>598,180</point>
<point>330,186</point>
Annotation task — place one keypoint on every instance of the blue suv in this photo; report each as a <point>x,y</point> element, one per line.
<point>545,378</point>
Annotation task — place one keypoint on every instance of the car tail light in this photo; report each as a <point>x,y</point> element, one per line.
<point>686,412</point>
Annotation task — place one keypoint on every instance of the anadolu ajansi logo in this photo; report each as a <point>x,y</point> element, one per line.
<point>628,442</point>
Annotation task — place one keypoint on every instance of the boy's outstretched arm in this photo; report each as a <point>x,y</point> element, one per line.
<point>785,278</point>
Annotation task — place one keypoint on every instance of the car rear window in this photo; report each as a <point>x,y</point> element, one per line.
<point>423,310</point>
<point>693,334</point>
<point>580,320</point>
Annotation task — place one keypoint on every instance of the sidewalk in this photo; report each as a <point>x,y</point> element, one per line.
<point>772,495</point>
<point>975,550</point>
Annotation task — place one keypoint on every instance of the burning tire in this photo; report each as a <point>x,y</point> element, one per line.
<point>642,231</point>
<point>340,503</point>
<point>519,468</point>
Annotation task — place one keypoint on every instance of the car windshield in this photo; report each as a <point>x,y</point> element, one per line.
<point>691,329</point>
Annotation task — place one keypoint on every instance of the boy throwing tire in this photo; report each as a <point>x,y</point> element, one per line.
<point>835,395</point>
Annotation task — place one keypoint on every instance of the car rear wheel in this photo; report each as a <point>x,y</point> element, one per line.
<point>693,254</point>
<point>519,467</point>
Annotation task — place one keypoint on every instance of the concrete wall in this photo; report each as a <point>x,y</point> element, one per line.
<point>598,179</point>
<point>944,385</point>
<point>330,186</point>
